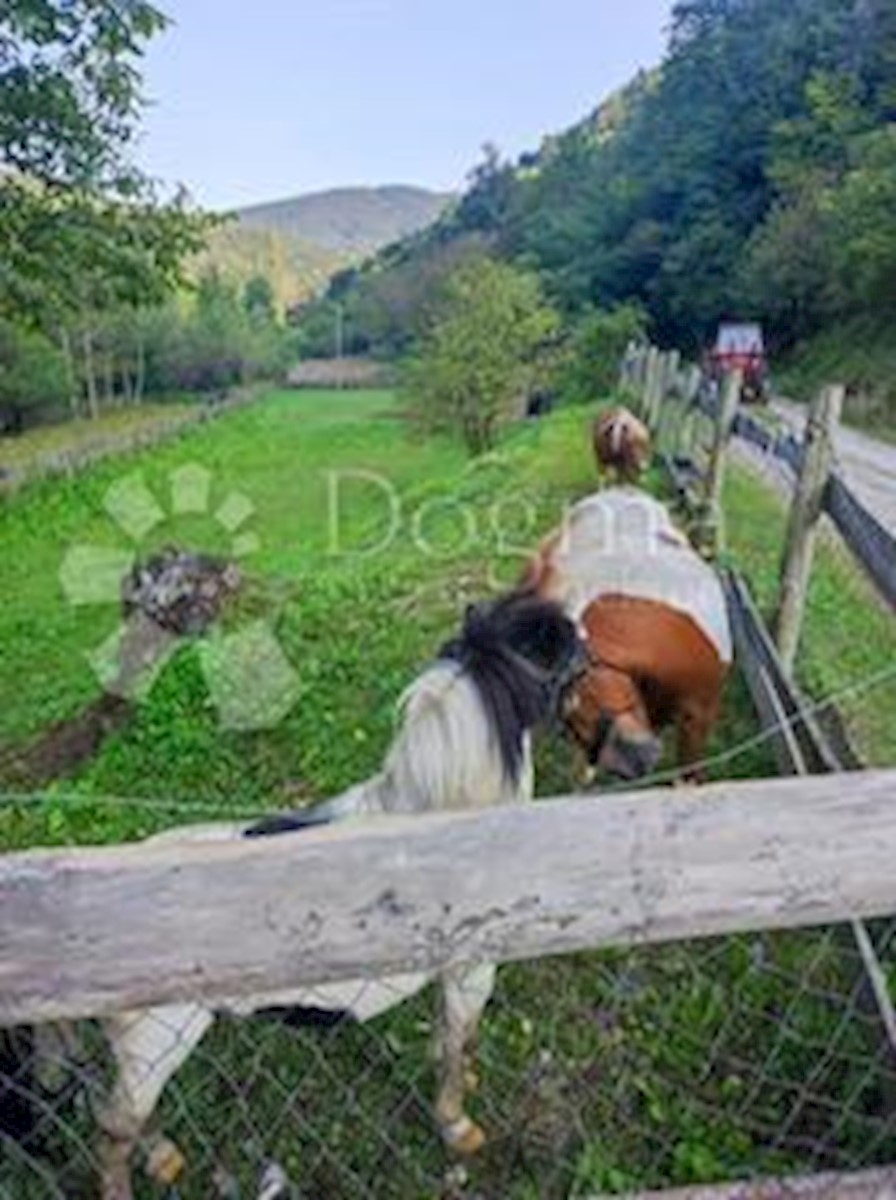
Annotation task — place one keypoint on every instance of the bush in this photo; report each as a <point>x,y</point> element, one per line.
<point>33,380</point>
<point>476,364</point>
<point>596,349</point>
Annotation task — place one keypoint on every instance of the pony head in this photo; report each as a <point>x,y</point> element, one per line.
<point>607,715</point>
<point>521,652</point>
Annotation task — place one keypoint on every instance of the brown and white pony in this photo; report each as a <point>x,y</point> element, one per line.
<point>655,620</point>
<point>622,445</point>
<point>463,743</point>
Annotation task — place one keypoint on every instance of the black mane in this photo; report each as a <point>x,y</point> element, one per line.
<point>519,651</point>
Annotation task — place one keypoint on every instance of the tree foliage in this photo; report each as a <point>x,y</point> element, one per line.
<point>598,343</point>
<point>477,360</point>
<point>91,260</point>
<point>750,176</point>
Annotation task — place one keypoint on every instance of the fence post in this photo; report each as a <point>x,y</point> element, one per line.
<point>669,413</point>
<point>650,373</point>
<point>660,388</point>
<point>693,380</point>
<point>808,501</point>
<point>715,472</point>
<point>627,368</point>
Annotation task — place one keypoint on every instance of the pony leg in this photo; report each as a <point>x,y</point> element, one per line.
<point>148,1048</point>
<point>465,993</point>
<point>694,725</point>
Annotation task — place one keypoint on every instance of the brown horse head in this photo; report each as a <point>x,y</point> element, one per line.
<point>622,445</point>
<point>607,715</point>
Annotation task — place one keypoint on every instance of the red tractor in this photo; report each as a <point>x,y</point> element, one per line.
<point>741,347</point>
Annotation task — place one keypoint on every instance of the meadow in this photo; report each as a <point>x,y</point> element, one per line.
<point>611,1071</point>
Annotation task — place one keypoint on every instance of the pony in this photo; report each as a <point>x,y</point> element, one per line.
<point>654,616</point>
<point>622,445</point>
<point>463,742</point>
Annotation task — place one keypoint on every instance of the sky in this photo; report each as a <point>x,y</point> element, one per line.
<point>254,100</point>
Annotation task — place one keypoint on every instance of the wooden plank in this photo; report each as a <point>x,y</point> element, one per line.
<point>873,547</point>
<point>863,1185</point>
<point>91,931</point>
<point>800,744</point>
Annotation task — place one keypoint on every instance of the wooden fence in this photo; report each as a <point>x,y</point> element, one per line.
<point>697,473</point>
<point>666,393</point>
<point>85,932</point>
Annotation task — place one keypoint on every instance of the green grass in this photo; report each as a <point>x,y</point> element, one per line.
<point>355,625</point>
<point>848,649</point>
<point>610,1071</point>
<point>26,452</point>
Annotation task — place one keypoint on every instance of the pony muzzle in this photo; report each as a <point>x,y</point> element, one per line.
<point>634,757</point>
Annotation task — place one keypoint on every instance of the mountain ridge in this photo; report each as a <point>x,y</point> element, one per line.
<point>348,220</point>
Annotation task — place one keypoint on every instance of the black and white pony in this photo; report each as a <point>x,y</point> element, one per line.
<point>464,742</point>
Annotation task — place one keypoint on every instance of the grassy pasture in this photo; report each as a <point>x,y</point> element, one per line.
<point>27,451</point>
<point>605,1071</point>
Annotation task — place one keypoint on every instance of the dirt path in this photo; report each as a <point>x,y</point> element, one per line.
<point>867,465</point>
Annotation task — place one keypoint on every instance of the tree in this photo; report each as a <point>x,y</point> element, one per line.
<point>84,242</point>
<point>258,299</point>
<point>598,345</point>
<point>69,90</point>
<point>32,376</point>
<point>475,363</point>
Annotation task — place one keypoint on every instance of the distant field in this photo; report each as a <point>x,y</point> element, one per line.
<point>608,1071</point>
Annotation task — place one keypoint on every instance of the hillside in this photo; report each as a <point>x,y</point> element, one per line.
<point>351,222</point>
<point>753,175</point>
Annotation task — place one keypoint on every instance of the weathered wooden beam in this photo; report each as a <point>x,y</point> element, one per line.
<point>715,474</point>
<point>808,505</point>
<point>91,931</point>
<point>863,1185</point>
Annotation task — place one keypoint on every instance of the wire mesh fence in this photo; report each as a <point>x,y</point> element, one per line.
<point>598,1073</point>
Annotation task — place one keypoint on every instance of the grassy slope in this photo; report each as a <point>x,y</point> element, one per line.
<point>861,353</point>
<point>25,452</point>
<point>645,1068</point>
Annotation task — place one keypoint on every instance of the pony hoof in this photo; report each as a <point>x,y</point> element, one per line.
<point>165,1163</point>
<point>464,1137</point>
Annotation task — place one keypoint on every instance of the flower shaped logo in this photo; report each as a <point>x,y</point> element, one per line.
<point>174,597</point>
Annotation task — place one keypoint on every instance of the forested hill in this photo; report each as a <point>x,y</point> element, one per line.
<point>753,174</point>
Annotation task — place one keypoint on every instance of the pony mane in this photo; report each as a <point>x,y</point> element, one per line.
<point>446,754</point>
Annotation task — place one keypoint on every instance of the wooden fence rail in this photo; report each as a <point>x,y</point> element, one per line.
<point>93,931</point>
<point>873,546</point>
<point>801,747</point>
